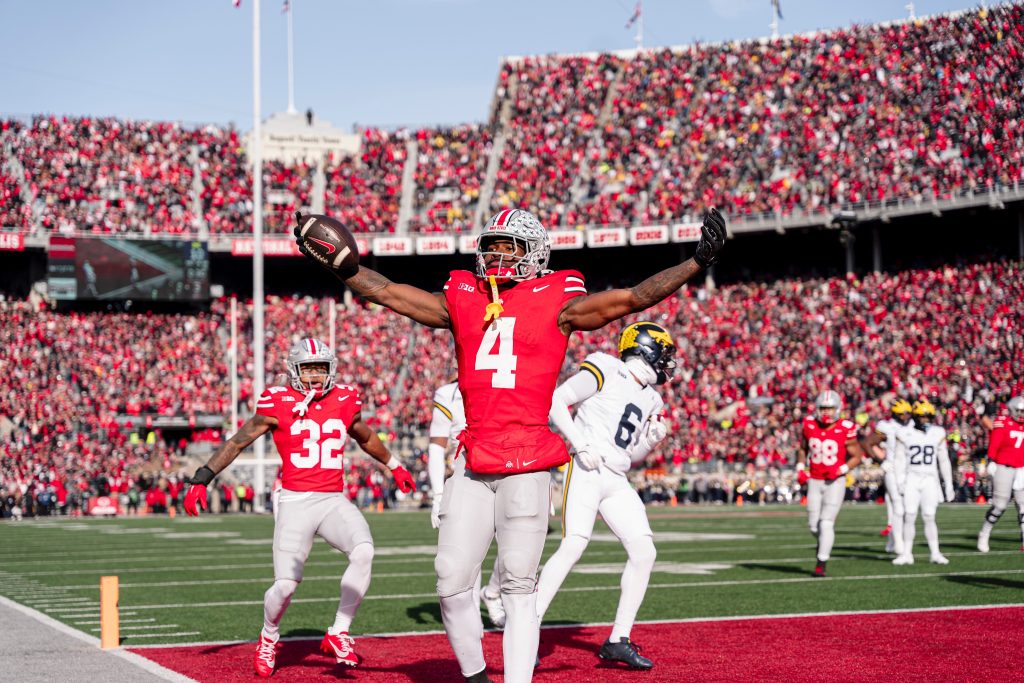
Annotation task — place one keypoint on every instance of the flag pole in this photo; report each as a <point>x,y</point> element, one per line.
<point>774,25</point>
<point>259,372</point>
<point>291,58</point>
<point>639,26</point>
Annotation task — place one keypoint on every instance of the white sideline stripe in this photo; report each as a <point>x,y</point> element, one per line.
<point>143,628</point>
<point>652,622</point>
<point>123,621</point>
<point>163,635</point>
<point>138,660</point>
<point>615,587</point>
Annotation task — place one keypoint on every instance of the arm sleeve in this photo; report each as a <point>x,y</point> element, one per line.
<point>435,468</point>
<point>573,391</point>
<point>945,468</point>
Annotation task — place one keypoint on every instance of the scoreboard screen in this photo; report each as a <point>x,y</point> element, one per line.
<point>118,269</point>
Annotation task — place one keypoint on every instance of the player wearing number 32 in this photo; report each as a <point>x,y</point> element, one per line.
<point>311,421</point>
<point>921,449</point>
<point>511,319</point>
<point>827,441</point>
<point>616,426</point>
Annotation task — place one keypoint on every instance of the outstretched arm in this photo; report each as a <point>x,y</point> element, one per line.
<point>254,428</point>
<point>375,448</point>
<point>424,307</point>
<point>597,310</point>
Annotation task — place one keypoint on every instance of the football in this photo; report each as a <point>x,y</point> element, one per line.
<point>329,242</point>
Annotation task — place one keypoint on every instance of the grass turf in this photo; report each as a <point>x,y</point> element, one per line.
<point>205,578</point>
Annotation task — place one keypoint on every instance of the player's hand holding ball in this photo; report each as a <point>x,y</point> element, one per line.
<point>326,241</point>
<point>713,234</point>
<point>589,458</point>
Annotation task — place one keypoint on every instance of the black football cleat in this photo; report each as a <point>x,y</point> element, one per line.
<point>819,570</point>
<point>626,652</point>
<point>479,677</point>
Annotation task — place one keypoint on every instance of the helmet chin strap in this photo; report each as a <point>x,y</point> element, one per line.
<point>640,369</point>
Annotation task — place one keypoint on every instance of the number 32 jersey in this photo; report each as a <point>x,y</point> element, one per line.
<point>508,369</point>
<point>311,446</point>
<point>826,446</point>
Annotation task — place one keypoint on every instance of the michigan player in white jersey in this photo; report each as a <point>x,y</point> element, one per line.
<point>894,469</point>
<point>616,426</point>
<point>447,422</point>
<point>923,445</point>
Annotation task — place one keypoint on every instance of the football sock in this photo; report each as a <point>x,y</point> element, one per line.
<point>522,636</point>
<point>826,539</point>
<point>889,515</point>
<point>639,564</point>
<point>354,583</point>
<point>909,532</point>
<point>465,628</point>
<point>556,569</point>
<point>931,532</point>
<point>275,602</point>
<point>896,535</point>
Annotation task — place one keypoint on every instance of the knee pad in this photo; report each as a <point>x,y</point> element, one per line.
<point>518,572</point>
<point>285,588</point>
<point>361,554</point>
<point>993,515</point>
<point>454,573</point>
<point>574,546</point>
<point>641,550</point>
<point>928,519</point>
<point>826,524</point>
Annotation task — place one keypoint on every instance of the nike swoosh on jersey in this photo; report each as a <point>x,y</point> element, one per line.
<point>537,289</point>
<point>527,463</point>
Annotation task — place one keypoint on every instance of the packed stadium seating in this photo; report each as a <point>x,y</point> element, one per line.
<point>911,110</point>
<point>751,357</point>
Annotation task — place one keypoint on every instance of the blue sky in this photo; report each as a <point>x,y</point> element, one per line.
<point>377,62</point>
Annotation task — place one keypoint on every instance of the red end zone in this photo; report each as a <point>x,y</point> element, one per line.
<point>956,645</point>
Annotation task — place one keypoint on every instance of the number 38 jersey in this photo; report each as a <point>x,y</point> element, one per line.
<point>921,449</point>
<point>615,416</point>
<point>826,446</point>
<point>508,369</point>
<point>311,446</point>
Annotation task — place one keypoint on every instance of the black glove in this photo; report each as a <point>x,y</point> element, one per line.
<point>712,238</point>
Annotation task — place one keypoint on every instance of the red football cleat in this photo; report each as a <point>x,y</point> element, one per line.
<point>886,531</point>
<point>266,657</point>
<point>819,570</point>
<point>342,646</point>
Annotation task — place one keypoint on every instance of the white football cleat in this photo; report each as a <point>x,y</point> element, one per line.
<point>904,560</point>
<point>938,558</point>
<point>495,609</point>
<point>982,543</point>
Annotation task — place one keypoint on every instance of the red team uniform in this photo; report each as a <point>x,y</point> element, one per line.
<point>826,446</point>
<point>1006,449</point>
<point>508,369</point>
<point>311,445</point>
<point>1006,443</point>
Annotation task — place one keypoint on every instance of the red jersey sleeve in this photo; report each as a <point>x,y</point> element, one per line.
<point>266,405</point>
<point>995,440</point>
<point>849,430</point>
<point>573,285</point>
<point>807,429</point>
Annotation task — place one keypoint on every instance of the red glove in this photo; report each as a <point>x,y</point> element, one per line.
<point>403,480</point>
<point>802,476</point>
<point>195,498</point>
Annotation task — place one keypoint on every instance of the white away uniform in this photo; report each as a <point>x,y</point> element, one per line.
<point>895,470</point>
<point>924,457</point>
<point>614,417</point>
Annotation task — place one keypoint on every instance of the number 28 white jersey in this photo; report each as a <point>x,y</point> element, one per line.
<point>919,451</point>
<point>615,417</point>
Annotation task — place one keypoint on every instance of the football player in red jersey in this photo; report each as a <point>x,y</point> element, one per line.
<point>832,446</point>
<point>511,320</point>
<point>1006,450</point>
<point>310,421</point>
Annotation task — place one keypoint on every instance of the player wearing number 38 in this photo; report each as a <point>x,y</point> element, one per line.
<point>511,319</point>
<point>310,420</point>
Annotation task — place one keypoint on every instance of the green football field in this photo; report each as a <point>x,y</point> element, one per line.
<point>202,580</point>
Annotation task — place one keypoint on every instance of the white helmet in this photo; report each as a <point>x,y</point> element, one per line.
<point>310,350</point>
<point>828,400</point>
<point>1015,406</point>
<point>525,230</point>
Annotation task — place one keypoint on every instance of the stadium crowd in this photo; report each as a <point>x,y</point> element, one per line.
<point>911,110</point>
<point>774,345</point>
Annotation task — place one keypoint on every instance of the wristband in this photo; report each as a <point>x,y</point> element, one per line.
<point>203,476</point>
<point>394,463</point>
<point>800,467</point>
<point>844,468</point>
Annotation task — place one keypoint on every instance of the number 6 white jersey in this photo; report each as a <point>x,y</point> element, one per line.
<point>919,451</point>
<point>616,416</point>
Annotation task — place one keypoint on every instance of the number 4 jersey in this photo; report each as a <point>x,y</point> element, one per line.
<point>826,446</point>
<point>508,369</point>
<point>311,446</point>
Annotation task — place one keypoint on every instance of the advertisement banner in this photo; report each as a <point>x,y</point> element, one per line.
<point>272,246</point>
<point>649,234</point>
<point>435,244</point>
<point>686,232</point>
<point>103,505</point>
<point>606,237</point>
<point>392,246</point>
<point>566,239</point>
<point>12,241</point>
